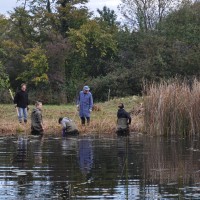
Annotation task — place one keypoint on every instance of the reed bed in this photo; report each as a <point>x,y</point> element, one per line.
<point>172,107</point>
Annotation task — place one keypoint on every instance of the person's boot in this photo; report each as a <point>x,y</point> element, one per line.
<point>88,121</point>
<point>25,121</point>
<point>82,121</point>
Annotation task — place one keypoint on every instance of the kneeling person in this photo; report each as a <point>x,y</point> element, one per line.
<point>37,127</point>
<point>123,121</point>
<point>69,127</point>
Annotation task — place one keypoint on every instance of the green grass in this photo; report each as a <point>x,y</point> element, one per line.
<point>102,121</point>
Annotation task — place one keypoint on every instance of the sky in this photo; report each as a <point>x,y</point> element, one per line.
<point>8,5</point>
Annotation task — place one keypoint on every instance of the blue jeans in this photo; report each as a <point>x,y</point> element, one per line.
<point>22,113</point>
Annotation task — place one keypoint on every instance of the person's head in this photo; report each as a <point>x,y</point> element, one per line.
<point>60,120</point>
<point>38,105</point>
<point>121,105</point>
<point>23,87</point>
<point>86,89</point>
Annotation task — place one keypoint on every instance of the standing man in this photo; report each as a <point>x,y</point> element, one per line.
<point>85,104</point>
<point>21,102</point>
<point>37,126</point>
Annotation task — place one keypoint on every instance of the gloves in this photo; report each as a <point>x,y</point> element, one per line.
<point>78,108</point>
<point>90,110</point>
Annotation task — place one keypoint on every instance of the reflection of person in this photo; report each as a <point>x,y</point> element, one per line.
<point>37,126</point>
<point>69,127</point>
<point>21,101</point>
<point>85,155</point>
<point>123,120</point>
<point>36,146</point>
<point>20,163</point>
<point>85,104</point>
<point>20,157</point>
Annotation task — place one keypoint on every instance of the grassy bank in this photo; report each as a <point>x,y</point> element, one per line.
<point>103,118</point>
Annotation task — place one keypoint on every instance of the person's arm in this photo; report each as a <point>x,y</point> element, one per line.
<point>118,115</point>
<point>39,118</point>
<point>16,98</point>
<point>129,118</point>
<point>91,102</point>
<point>63,123</point>
<point>78,101</point>
<point>27,99</point>
<point>42,123</point>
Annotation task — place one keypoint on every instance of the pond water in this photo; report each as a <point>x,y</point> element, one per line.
<point>99,167</point>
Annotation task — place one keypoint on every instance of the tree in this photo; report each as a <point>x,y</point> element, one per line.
<point>4,27</point>
<point>145,14</point>
<point>37,67</point>
<point>183,24</point>
<point>4,78</point>
<point>94,45</point>
<point>22,26</point>
<point>108,16</point>
<point>71,14</point>
<point>37,6</point>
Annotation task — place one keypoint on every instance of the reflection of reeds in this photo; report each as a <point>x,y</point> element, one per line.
<point>170,162</point>
<point>172,108</point>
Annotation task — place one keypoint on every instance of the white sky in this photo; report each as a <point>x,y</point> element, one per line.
<point>8,5</point>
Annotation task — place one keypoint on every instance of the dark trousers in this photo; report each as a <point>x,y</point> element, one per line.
<point>83,120</point>
<point>123,132</point>
<point>35,132</point>
<point>75,132</point>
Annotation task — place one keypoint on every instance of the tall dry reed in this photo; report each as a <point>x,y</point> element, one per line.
<point>172,107</point>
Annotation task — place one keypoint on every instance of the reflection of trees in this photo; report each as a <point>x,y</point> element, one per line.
<point>88,166</point>
<point>171,161</point>
<point>62,163</point>
<point>157,165</point>
<point>105,167</point>
<point>127,167</point>
<point>130,159</point>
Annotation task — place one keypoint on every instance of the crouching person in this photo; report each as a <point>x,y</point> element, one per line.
<point>69,127</point>
<point>123,121</point>
<point>37,126</point>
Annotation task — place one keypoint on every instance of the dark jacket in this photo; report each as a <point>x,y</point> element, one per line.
<point>123,119</point>
<point>36,120</point>
<point>21,99</point>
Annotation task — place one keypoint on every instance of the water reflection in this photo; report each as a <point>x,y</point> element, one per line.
<point>68,145</point>
<point>36,145</point>
<point>19,167</point>
<point>137,167</point>
<point>20,157</point>
<point>85,155</point>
